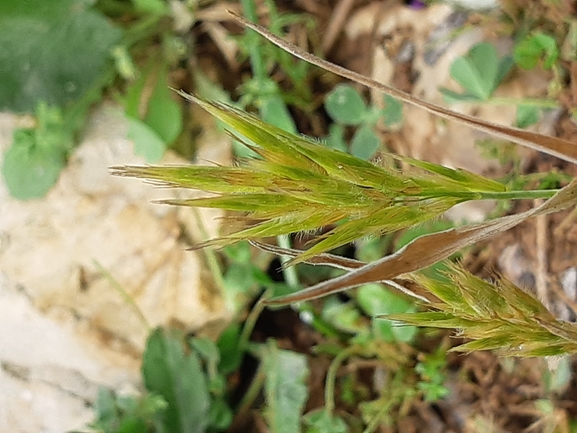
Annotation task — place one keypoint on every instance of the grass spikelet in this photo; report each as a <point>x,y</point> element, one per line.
<point>298,185</point>
<point>499,316</point>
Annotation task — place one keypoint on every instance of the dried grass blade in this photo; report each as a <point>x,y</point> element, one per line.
<point>551,145</point>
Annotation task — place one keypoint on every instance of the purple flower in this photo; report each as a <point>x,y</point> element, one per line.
<point>416,4</point>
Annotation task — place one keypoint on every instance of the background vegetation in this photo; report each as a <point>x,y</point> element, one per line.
<point>359,370</point>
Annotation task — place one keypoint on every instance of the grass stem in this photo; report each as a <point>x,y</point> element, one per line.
<point>125,296</point>
<point>331,379</point>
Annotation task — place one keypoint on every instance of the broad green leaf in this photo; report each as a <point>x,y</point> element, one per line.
<point>371,249</point>
<point>478,71</point>
<point>51,51</point>
<point>534,48</point>
<point>527,115</point>
<point>345,105</point>
<point>393,111</point>
<point>147,143</point>
<point>28,170</point>
<point>320,421</point>
<point>37,155</point>
<point>365,143</point>
<point>168,371</point>
<point>285,388</point>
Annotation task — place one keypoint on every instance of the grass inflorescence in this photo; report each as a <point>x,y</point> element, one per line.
<point>298,184</point>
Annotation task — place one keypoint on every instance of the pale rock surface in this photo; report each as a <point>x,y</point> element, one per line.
<point>65,329</point>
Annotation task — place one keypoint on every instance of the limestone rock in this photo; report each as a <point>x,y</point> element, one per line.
<point>67,329</point>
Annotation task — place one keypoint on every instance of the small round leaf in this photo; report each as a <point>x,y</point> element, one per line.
<point>345,105</point>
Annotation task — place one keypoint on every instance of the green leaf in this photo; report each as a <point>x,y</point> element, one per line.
<point>480,71</point>
<point>344,316</point>
<point>285,388</point>
<point>336,137</point>
<point>534,48</point>
<point>207,349</point>
<point>164,114</point>
<point>558,378</point>
<point>527,115</point>
<point>505,65</point>
<point>147,143</point>
<point>365,143</point>
<point>393,111</point>
<point>239,252</point>
<point>220,415</point>
<point>451,97</point>
<point>345,105</point>
<point>127,414</point>
<point>124,63</point>
<point>51,51</point>
<point>320,421</point>
<point>156,120</point>
<point>37,155</point>
<point>228,347</point>
<point>179,379</point>
<point>105,407</point>
<point>273,110</point>
<point>376,300</point>
<point>157,7</point>
<point>239,278</point>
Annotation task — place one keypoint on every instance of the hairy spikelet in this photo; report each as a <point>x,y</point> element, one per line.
<point>498,316</point>
<point>299,184</point>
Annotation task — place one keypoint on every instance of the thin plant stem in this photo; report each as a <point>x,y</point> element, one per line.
<point>209,253</point>
<point>251,319</point>
<point>256,61</point>
<point>252,392</point>
<point>528,102</point>
<point>125,296</point>
<point>519,195</point>
<point>483,195</point>
<point>331,379</point>
<point>289,272</point>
